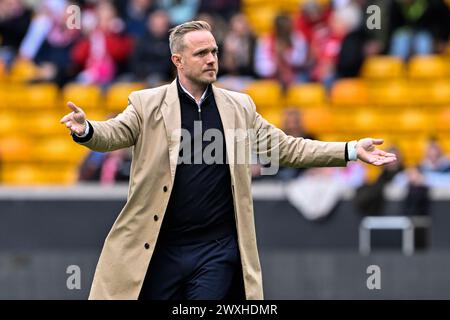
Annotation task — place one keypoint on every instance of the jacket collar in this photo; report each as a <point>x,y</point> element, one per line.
<point>170,110</point>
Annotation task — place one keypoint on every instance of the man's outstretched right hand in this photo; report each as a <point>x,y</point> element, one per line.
<point>76,120</point>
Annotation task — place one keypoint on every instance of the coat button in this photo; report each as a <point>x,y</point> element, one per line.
<point>165,188</point>
<point>155,217</point>
<point>146,246</point>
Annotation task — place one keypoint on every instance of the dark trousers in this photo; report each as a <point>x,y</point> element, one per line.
<point>204,271</point>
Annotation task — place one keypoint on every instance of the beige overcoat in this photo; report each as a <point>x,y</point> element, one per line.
<point>150,125</point>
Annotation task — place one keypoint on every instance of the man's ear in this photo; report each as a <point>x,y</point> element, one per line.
<point>176,59</point>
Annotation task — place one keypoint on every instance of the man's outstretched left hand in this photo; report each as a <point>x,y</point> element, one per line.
<point>367,152</point>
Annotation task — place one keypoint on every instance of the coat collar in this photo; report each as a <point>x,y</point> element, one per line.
<point>170,110</point>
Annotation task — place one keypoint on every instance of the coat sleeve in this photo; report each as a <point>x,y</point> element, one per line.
<point>289,151</point>
<point>116,133</point>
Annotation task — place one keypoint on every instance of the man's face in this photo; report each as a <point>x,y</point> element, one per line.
<point>198,61</point>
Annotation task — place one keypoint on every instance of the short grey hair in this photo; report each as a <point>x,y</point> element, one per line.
<point>177,33</point>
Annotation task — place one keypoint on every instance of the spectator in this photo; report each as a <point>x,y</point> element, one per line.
<point>357,44</point>
<point>218,25</point>
<point>225,8</point>
<point>151,58</point>
<point>103,48</point>
<point>238,48</point>
<point>369,198</point>
<point>326,42</point>
<point>293,126</point>
<point>435,160</point>
<point>417,201</point>
<point>353,175</point>
<point>282,55</point>
<point>135,15</point>
<point>106,168</point>
<point>416,24</point>
<point>14,21</point>
<point>90,169</point>
<point>312,18</point>
<point>116,167</point>
<point>48,15</point>
<point>180,10</point>
<point>48,42</point>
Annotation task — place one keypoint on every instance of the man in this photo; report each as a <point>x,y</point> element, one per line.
<point>187,230</point>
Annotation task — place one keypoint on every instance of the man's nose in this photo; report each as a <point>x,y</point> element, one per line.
<point>210,58</point>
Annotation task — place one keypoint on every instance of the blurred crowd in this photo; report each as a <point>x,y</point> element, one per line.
<point>433,171</point>
<point>127,40</point>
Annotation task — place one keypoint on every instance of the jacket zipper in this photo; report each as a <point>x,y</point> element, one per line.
<point>199,112</point>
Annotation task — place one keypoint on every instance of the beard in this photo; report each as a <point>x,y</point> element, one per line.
<point>202,80</point>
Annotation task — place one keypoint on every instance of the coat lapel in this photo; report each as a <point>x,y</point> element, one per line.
<point>172,121</point>
<point>227,114</point>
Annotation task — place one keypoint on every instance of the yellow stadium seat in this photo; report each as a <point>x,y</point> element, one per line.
<point>383,67</point>
<point>412,148</point>
<point>443,120</point>
<point>427,67</point>
<point>349,92</point>
<point>319,121</point>
<point>261,18</point>
<point>391,93</point>
<point>372,173</point>
<point>58,150</point>
<point>266,94</point>
<point>3,97</point>
<point>251,3</point>
<point>87,97</point>
<point>336,137</point>
<point>19,175</point>
<point>45,124</point>
<point>117,95</point>
<point>22,71</point>
<point>290,6</point>
<point>16,97</point>
<point>32,174</point>
<point>306,95</point>
<point>41,96</point>
<point>3,73</point>
<point>413,120</point>
<point>13,97</point>
<point>433,92</point>
<point>15,148</point>
<point>425,93</point>
<point>444,140</point>
<point>273,116</point>
<point>10,123</point>
<point>100,115</point>
<point>361,120</point>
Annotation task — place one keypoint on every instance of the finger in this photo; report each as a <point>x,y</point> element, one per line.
<point>386,161</point>
<point>73,129</point>
<point>383,161</point>
<point>72,106</point>
<point>377,141</point>
<point>69,124</point>
<point>379,152</point>
<point>66,118</point>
